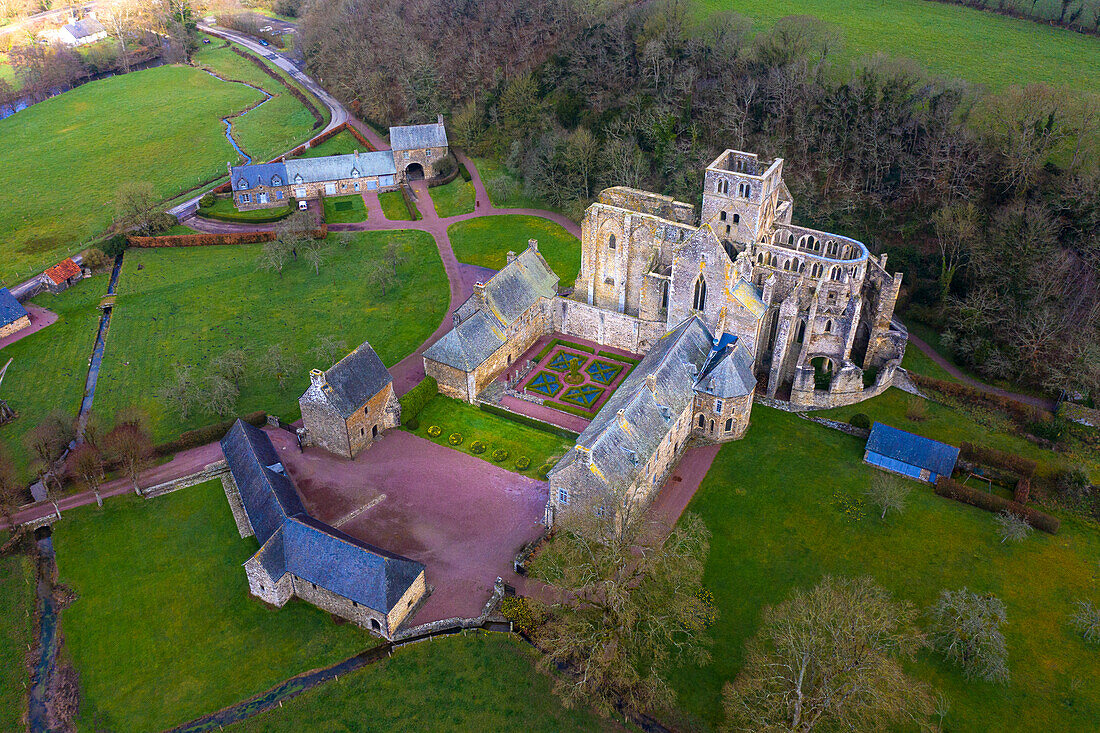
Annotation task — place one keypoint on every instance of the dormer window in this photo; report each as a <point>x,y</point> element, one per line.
<point>298,178</point>
<point>354,173</point>
<point>242,184</point>
<point>276,181</point>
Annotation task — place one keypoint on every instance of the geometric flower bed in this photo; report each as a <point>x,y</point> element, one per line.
<point>573,378</point>
<point>584,396</point>
<point>566,361</point>
<point>545,384</point>
<point>603,372</point>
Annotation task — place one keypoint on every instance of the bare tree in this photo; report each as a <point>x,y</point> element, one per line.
<point>831,657</point>
<point>966,629</point>
<point>1010,527</point>
<point>231,364</point>
<point>274,256</point>
<point>182,392</point>
<point>219,395</point>
<point>956,227</point>
<point>329,349</point>
<point>11,490</point>
<point>130,445</point>
<point>47,442</point>
<point>394,254</point>
<point>85,464</point>
<point>119,17</point>
<point>316,252</point>
<point>888,492</point>
<point>631,606</point>
<point>136,207</point>
<point>277,362</point>
<point>1086,619</point>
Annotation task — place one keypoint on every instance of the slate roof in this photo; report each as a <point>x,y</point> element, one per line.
<point>748,295</point>
<point>84,28</point>
<point>621,444</point>
<point>336,167</point>
<point>258,174</point>
<point>63,270</point>
<point>728,370</point>
<point>353,380</point>
<point>915,450</point>
<point>507,295</point>
<point>11,310</point>
<point>293,542</point>
<point>409,137</point>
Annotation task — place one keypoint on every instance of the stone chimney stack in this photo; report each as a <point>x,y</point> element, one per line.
<point>479,293</point>
<point>511,257</point>
<point>357,155</point>
<point>651,382</point>
<point>316,376</point>
<point>439,119</point>
<point>621,417</point>
<point>533,244</point>
<point>585,454</point>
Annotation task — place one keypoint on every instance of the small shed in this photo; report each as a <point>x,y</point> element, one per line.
<point>910,455</point>
<point>62,275</point>
<point>13,316</point>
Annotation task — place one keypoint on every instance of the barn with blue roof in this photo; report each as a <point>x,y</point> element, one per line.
<point>909,455</point>
<point>301,556</point>
<point>13,316</point>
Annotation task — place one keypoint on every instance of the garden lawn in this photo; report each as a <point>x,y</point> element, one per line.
<point>486,240</point>
<point>163,628</point>
<point>49,367</point>
<point>223,208</point>
<point>393,206</point>
<point>775,503</point>
<point>947,39</point>
<point>456,197</point>
<point>188,305</point>
<point>478,681</point>
<point>16,634</point>
<point>97,136</point>
<point>178,229</point>
<point>504,189</point>
<point>345,209</point>
<point>279,124</point>
<point>455,416</point>
<point>341,143</point>
<point>918,362</point>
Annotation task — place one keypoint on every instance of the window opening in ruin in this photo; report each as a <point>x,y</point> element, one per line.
<point>736,218</point>
<point>828,326</point>
<point>611,242</point>
<point>729,424</point>
<point>712,426</point>
<point>374,432</point>
<point>701,421</point>
<point>801,333</point>
<point>700,300</point>
<point>664,293</point>
<point>722,216</point>
<point>375,625</point>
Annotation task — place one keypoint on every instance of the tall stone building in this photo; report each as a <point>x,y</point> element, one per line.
<point>346,408</point>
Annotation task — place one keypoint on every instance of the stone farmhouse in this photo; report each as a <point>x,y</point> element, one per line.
<point>301,556</point>
<point>13,316</point>
<point>346,408</point>
<point>415,154</point>
<point>62,275</point>
<point>734,303</point>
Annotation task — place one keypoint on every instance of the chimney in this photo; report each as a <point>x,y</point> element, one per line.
<point>511,256</point>
<point>479,293</point>
<point>585,454</point>
<point>651,382</point>
<point>357,155</point>
<point>533,244</point>
<point>439,119</point>
<point>621,417</point>
<point>317,377</point>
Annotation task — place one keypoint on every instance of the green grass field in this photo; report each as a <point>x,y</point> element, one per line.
<point>341,143</point>
<point>455,416</point>
<point>393,206</point>
<point>7,73</point>
<point>456,197</point>
<point>163,628</point>
<point>49,367</point>
<point>949,40</point>
<point>505,190</point>
<point>345,209</point>
<point>479,681</point>
<point>188,305</point>
<point>63,159</point>
<point>16,633</point>
<point>778,524</point>
<point>486,241</point>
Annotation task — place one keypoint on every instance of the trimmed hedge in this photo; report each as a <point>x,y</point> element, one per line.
<point>210,433</point>
<point>1022,467</point>
<point>207,240</point>
<point>413,401</point>
<point>529,421</point>
<point>571,409</point>
<point>991,502</point>
<point>618,357</point>
<point>1021,412</point>
<point>245,218</point>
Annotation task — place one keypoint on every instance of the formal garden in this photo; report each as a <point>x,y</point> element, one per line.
<point>574,377</point>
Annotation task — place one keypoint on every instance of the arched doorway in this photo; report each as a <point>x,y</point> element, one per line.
<point>414,172</point>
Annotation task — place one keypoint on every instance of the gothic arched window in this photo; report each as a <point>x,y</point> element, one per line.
<point>611,242</point>
<point>699,302</point>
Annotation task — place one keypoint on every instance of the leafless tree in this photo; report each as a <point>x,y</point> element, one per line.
<point>11,490</point>
<point>47,442</point>
<point>273,256</point>
<point>85,465</point>
<point>329,349</point>
<point>966,629</point>
<point>1010,527</point>
<point>232,364</point>
<point>888,492</point>
<point>831,658</point>
<point>395,254</point>
<point>182,392</point>
<point>136,207</point>
<point>130,445</point>
<point>316,252</point>
<point>120,17</point>
<point>1086,620</point>
<point>279,363</point>
<point>956,227</point>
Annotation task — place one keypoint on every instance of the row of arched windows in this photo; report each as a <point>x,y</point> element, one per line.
<point>744,190</point>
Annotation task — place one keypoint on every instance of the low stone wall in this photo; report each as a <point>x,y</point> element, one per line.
<point>210,471</point>
<point>452,624</point>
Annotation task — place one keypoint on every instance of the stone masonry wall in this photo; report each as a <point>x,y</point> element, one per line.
<point>608,328</point>
<point>325,428</point>
<point>236,505</point>
<point>16,325</point>
<point>345,608</point>
<point>452,381</point>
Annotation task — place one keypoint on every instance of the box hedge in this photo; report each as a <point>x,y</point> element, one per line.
<point>991,502</point>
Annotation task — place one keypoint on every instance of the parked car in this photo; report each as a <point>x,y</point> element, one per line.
<point>265,29</point>
<point>303,205</point>
<point>264,43</point>
<point>206,40</point>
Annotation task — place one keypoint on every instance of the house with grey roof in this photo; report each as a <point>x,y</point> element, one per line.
<point>417,149</point>
<point>82,32</point>
<point>347,407</point>
<point>495,325</point>
<point>301,556</point>
<point>690,384</point>
<point>13,316</point>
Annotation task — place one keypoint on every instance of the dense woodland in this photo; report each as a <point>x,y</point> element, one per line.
<point>990,203</point>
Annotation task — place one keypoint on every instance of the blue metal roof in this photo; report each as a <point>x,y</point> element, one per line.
<point>293,542</point>
<point>914,450</point>
<point>11,310</point>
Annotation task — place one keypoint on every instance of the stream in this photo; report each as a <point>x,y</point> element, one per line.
<point>97,353</point>
<point>228,119</point>
<point>47,631</point>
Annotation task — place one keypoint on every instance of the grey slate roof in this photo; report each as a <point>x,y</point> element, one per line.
<point>84,28</point>
<point>353,380</point>
<point>259,174</point>
<point>621,444</point>
<point>293,542</point>
<point>915,450</point>
<point>11,310</point>
<point>336,167</point>
<point>409,137</point>
<point>507,295</point>
<point>728,370</point>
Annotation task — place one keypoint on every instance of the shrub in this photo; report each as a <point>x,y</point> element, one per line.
<point>201,240</point>
<point>1023,467</point>
<point>1051,430</point>
<point>207,201</point>
<point>414,400</point>
<point>544,469</point>
<point>1021,412</point>
<point>95,259</point>
<point>412,424</point>
<point>1086,619</point>
<point>1022,491</point>
<point>991,502</point>
<point>861,421</point>
<point>455,438</point>
<point>523,614</point>
<point>500,455</point>
<point>916,409</point>
<point>523,463</point>
<point>435,431</point>
<point>966,629</point>
<point>477,447</point>
<point>115,245</point>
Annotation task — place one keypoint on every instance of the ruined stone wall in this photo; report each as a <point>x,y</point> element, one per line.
<point>17,325</point>
<point>236,505</point>
<point>607,328</point>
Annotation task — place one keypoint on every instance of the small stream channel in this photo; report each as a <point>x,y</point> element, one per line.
<point>97,352</point>
<point>228,119</point>
<point>47,631</point>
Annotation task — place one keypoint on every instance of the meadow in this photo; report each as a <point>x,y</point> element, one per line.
<point>188,305</point>
<point>341,143</point>
<point>486,241</point>
<point>163,628</point>
<point>948,40</point>
<point>17,580</point>
<point>781,521</point>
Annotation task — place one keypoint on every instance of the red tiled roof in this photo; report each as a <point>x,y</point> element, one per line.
<point>63,270</point>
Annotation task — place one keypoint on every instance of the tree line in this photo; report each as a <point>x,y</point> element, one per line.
<point>989,202</point>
